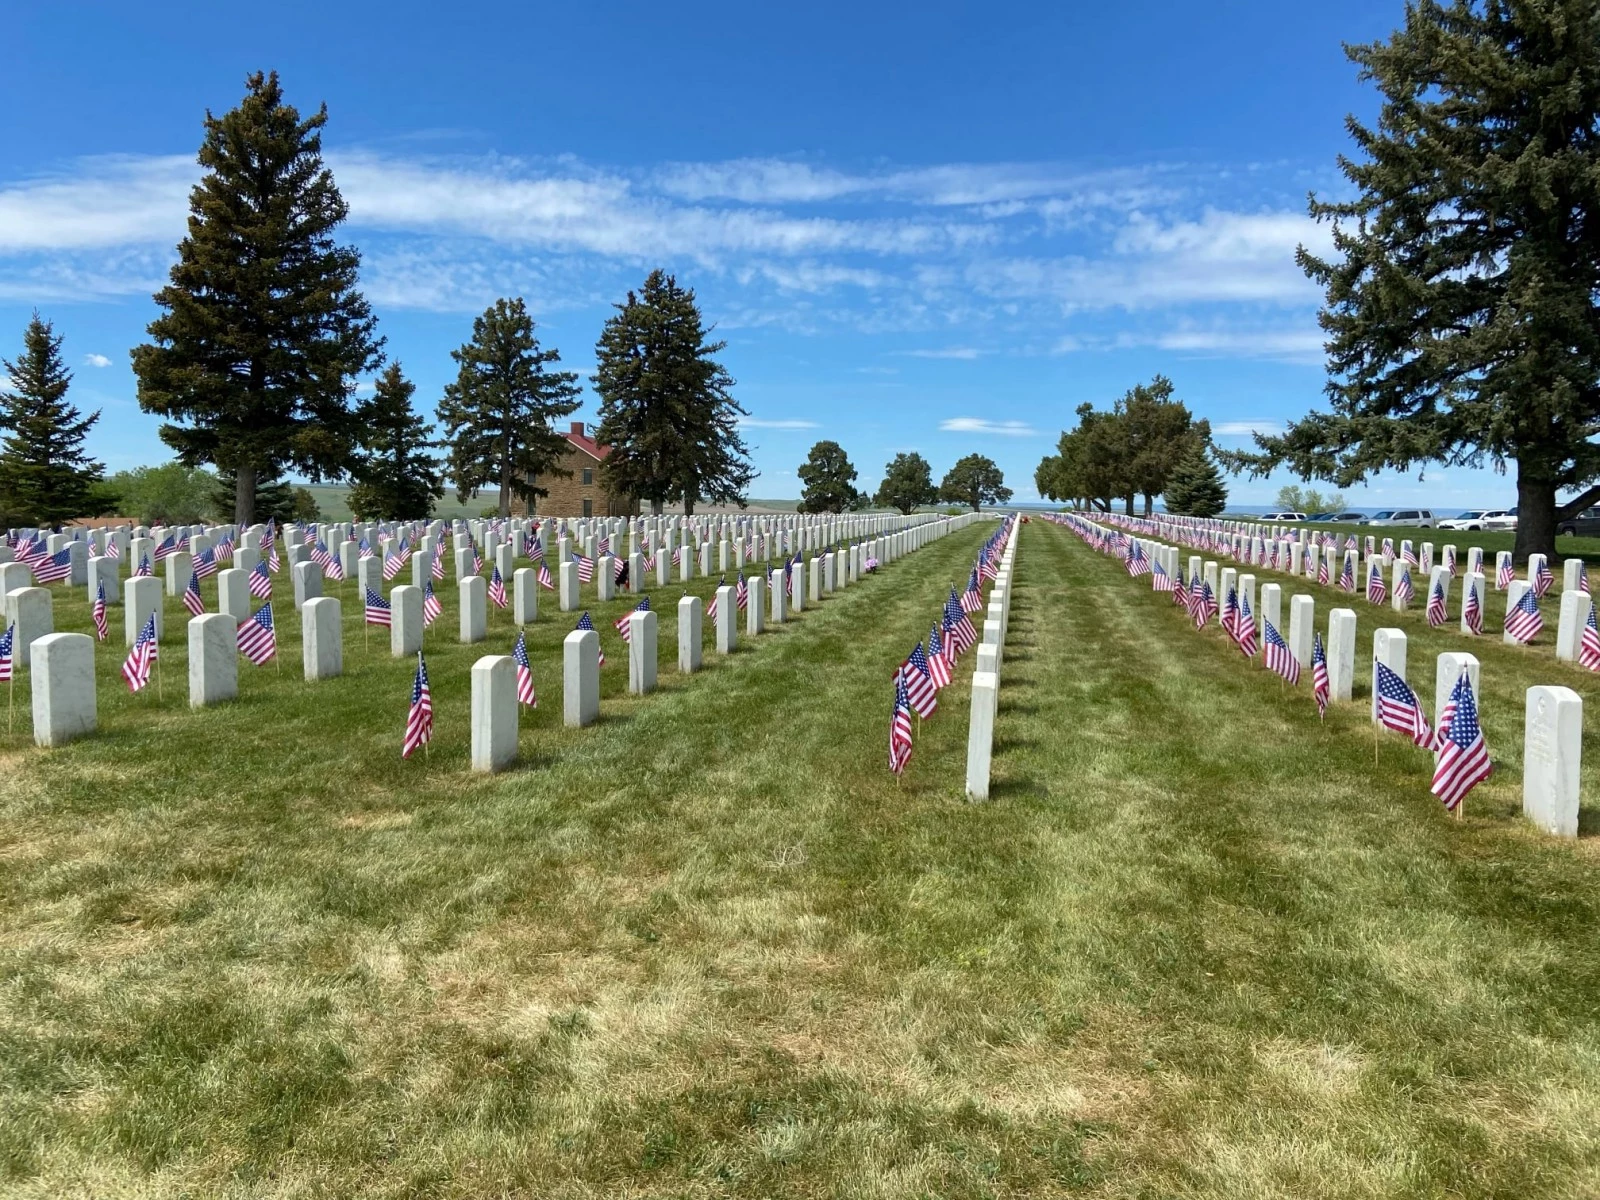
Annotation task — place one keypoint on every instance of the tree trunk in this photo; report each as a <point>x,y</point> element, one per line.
<point>656,508</point>
<point>505,487</point>
<point>1149,504</point>
<point>1536,517</point>
<point>244,496</point>
<point>1127,504</point>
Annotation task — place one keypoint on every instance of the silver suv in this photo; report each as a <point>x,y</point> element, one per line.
<point>1406,518</point>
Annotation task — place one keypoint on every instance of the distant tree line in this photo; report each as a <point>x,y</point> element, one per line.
<point>827,481</point>
<point>1147,444</point>
<point>262,342</point>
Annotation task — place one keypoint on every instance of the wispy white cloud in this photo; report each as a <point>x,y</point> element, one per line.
<point>97,360</point>
<point>758,423</point>
<point>957,352</point>
<point>1246,428</point>
<point>981,425</point>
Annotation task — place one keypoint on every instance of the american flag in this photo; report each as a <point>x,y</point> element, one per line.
<point>920,689</point>
<point>378,611</point>
<point>436,567</point>
<point>205,564</point>
<point>1137,563</point>
<point>497,589</point>
<point>1398,707</point>
<point>1322,569</point>
<point>1377,590</point>
<point>584,623</point>
<point>1542,579</point>
<point>432,610</point>
<point>1471,609</point>
<point>260,582</point>
<point>166,549</point>
<point>741,593</point>
<point>1347,575</point>
<point>624,625</point>
<point>519,654</point>
<point>1450,560</point>
<point>1463,760</point>
<point>1583,578</point>
<point>544,576</point>
<point>1180,591</point>
<point>1437,613</point>
<point>392,563</point>
<point>585,568</point>
<point>619,571</point>
<point>224,548</point>
<point>7,641</point>
<point>972,598</point>
<point>1205,606</point>
<point>143,571</point>
<point>54,568</point>
<point>938,664</point>
<point>1404,591</point>
<point>419,718</point>
<point>1407,554</point>
<point>1504,574</point>
<point>900,727</point>
<point>1524,621</point>
<point>711,609</point>
<point>115,551</point>
<point>1230,613</point>
<point>1589,644</point>
<point>320,555</point>
<point>1244,628</point>
<point>257,640</point>
<point>273,561</point>
<point>958,628</point>
<point>1388,547</point>
<point>192,600</point>
<point>335,569</point>
<point>536,549</point>
<point>136,670</point>
<point>101,627</point>
<point>1160,581</point>
<point>1319,675</point>
<point>1276,654</point>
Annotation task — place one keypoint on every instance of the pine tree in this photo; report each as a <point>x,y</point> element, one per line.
<point>907,483</point>
<point>1463,292</point>
<point>395,477</point>
<point>45,476</point>
<point>666,405</point>
<point>272,498</point>
<point>828,481</point>
<point>1195,488</point>
<point>497,414</point>
<point>256,355</point>
<point>975,481</point>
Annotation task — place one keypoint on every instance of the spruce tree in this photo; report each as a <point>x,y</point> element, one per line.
<point>907,483</point>
<point>395,476</point>
<point>263,334</point>
<point>45,476</point>
<point>975,480</point>
<point>1195,488</point>
<point>828,481</point>
<point>272,498</point>
<point>666,405</point>
<point>497,414</point>
<point>1463,292</point>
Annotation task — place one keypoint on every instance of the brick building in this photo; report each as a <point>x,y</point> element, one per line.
<point>581,494</point>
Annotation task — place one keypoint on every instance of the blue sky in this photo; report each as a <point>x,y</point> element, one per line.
<point>937,227</point>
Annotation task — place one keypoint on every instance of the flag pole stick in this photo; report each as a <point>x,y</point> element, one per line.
<point>1374,743</point>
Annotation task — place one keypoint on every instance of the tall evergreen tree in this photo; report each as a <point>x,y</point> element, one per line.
<point>395,476</point>
<point>497,414</point>
<point>1160,433</point>
<point>263,333</point>
<point>45,475</point>
<point>1195,487</point>
<point>666,404</point>
<point>271,499</point>
<point>907,483</point>
<point>976,481</point>
<point>1463,295</point>
<point>828,481</point>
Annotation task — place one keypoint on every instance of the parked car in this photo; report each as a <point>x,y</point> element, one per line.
<point>1505,520</point>
<point>1327,516</point>
<point>1585,524</point>
<point>1408,518</point>
<point>1349,518</point>
<point>1472,519</point>
<point>1285,517</point>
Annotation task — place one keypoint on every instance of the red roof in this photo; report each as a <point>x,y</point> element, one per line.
<point>587,444</point>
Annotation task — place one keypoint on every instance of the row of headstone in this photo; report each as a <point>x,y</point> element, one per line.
<point>986,674</point>
<point>1553,717</point>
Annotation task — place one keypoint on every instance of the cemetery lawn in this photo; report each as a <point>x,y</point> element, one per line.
<point>1197,945</point>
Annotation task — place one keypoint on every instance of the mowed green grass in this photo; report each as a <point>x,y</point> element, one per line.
<point>1197,945</point>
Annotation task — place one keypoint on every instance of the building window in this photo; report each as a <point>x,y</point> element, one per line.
<point>588,505</point>
<point>588,478</point>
